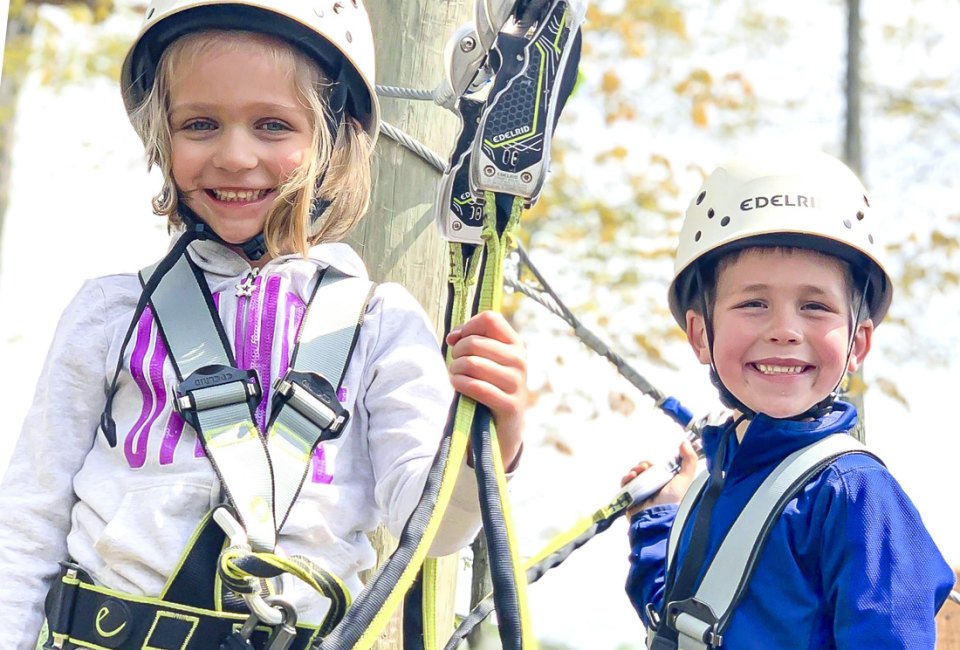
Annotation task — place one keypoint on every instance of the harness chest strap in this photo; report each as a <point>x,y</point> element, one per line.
<point>701,620</point>
<point>214,397</point>
<point>261,475</point>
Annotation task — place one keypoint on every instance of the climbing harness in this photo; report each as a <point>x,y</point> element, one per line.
<point>260,475</point>
<point>508,77</point>
<point>698,621</point>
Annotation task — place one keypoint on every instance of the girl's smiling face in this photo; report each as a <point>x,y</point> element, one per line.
<point>781,329</point>
<point>238,130</point>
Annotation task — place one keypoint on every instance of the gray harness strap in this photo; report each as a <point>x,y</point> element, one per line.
<point>215,398</point>
<point>311,411</point>
<point>701,620</point>
<point>261,475</point>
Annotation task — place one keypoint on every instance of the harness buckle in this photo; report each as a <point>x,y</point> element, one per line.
<point>311,395</point>
<point>282,634</point>
<point>652,615</point>
<point>694,619</point>
<point>210,387</point>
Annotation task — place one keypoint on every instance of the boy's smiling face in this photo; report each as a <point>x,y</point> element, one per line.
<point>780,328</point>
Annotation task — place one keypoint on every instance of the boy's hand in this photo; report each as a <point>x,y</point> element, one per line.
<point>489,364</point>
<point>673,491</point>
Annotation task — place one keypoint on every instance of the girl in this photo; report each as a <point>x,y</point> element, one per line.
<point>261,115</point>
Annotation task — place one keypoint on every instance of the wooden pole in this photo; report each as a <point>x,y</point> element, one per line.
<point>398,239</point>
<point>853,156</point>
<point>948,624</point>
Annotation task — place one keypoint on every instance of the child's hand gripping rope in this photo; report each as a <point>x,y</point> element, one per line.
<point>652,485</point>
<point>488,364</point>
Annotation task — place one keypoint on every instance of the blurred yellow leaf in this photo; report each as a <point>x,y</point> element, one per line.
<point>558,444</point>
<point>889,388</point>
<point>610,83</point>
<point>699,113</point>
<point>621,403</point>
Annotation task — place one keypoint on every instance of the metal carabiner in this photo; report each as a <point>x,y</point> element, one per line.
<point>463,59</point>
<point>281,636</point>
<point>285,633</point>
<point>238,538</point>
<point>491,16</point>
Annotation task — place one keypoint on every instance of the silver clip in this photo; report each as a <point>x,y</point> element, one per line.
<point>258,607</point>
<point>491,16</point>
<point>463,59</point>
<point>285,633</point>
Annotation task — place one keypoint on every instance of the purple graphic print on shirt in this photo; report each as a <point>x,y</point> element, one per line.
<point>268,314</point>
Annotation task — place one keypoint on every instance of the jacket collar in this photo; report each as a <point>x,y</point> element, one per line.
<point>216,259</point>
<point>769,440</point>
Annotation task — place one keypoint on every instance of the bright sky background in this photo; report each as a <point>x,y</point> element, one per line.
<point>78,175</point>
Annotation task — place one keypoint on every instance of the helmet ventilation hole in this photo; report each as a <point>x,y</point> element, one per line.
<point>349,37</point>
<point>697,236</point>
<point>700,197</point>
<point>846,222</point>
<point>725,221</point>
<point>337,7</point>
<point>710,213</point>
<point>150,12</point>
<point>860,216</point>
<point>319,12</point>
<point>866,201</point>
<point>870,238</point>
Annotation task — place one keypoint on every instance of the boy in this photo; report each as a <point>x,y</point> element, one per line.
<point>779,283</point>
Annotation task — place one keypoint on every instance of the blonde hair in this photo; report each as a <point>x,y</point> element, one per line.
<point>343,164</point>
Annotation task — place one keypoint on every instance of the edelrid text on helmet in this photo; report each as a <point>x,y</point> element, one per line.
<point>806,199</point>
<point>335,33</point>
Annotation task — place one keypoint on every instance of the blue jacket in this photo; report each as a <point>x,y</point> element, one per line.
<point>849,564</point>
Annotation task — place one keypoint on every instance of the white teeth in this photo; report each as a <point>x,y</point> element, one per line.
<point>238,195</point>
<point>778,370</point>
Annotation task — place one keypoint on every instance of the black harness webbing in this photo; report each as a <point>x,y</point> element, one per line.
<point>101,618</point>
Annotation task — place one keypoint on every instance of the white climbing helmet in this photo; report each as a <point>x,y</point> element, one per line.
<point>336,33</point>
<point>789,198</point>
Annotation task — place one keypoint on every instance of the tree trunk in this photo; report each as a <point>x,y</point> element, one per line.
<point>948,624</point>
<point>398,239</point>
<point>16,50</point>
<point>481,585</point>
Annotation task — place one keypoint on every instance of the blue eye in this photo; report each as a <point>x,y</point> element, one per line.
<point>200,125</point>
<point>274,126</point>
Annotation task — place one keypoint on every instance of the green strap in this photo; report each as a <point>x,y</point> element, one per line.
<point>507,571</point>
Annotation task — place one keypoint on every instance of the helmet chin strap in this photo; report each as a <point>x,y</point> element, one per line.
<point>253,249</point>
<point>728,399</point>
